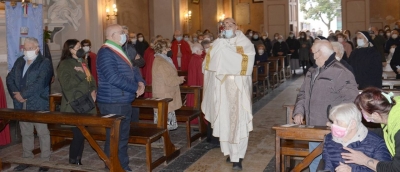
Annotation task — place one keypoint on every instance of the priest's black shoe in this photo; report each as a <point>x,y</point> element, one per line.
<point>237,165</point>
<point>228,160</point>
<point>21,167</point>
<point>43,169</point>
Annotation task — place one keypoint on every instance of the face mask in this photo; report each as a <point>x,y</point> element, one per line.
<point>360,42</point>
<point>264,37</point>
<point>255,36</point>
<point>86,48</point>
<point>186,39</point>
<point>392,50</point>
<point>340,39</point>
<point>338,131</point>
<point>291,36</point>
<point>388,34</point>
<point>208,39</point>
<point>169,53</point>
<point>194,39</point>
<point>250,34</point>
<point>123,39</point>
<point>396,27</point>
<point>276,38</point>
<point>178,38</point>
<point>206,50</point>
<point>394,36</point>
<point>133,41</point>
<point>280,40</point>
<point>30,55</point>
<point>228,33</point>
<point>260,52</point>
<point>381,34</point>
<point>308,33</point>
<point>302,36</point>
<point>141,39</point>
<point>200,41</point>
<point>367,118</point>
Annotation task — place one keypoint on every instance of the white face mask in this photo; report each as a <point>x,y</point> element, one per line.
<point>133,40</point>
<point>208,39</point>
<point>260,52</point>
<point>123,39</point>
<point>388,34</point>
<point>264,37</point>
<point>360,42</point>
<point>276,38</point>
<point>340,39</point>
<point>30,55</point>
<point>392,50</point>
<point>394,36</point>
<point>186,39</point>
<point>86,48</point>
<point>141,39</point>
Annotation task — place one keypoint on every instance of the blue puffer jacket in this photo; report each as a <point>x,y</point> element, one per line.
<point>36,89</point>
<point>118,82</point>
<point>372,146</point>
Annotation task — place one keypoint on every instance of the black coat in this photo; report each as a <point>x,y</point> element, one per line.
<point>293,44</point>
<point>141,47</point>
<point>280,47</point>
<point>268,45</point>
<point>367,66</point>
<point>395,61</point>
<point>391,42</point>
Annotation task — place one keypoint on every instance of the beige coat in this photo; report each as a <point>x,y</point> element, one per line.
<point>166,82</point>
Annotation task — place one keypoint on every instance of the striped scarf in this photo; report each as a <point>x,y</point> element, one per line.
<point>118,50</point>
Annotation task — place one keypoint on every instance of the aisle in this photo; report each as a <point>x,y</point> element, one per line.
<point>261,148</point>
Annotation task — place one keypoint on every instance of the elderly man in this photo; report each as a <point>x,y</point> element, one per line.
<point>349,132</point>
<point>119,83</point>
<point>227,91</point>
<point>28,84</point>
<point>130,50</point>
<point>326,85</point>
<point>132,38</point>
<point>280,48</point>
<point>180,50</point>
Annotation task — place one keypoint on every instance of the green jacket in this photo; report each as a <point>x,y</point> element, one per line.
<point>72,81</point>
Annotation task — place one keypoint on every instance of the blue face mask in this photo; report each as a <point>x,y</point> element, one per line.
<point>228,33</point>
<point>179,38</point>
<point>123,39</point>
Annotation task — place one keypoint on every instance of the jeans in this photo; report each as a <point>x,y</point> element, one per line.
<point>126,111</point>
<point>314,164</point>
<point>135,114</point>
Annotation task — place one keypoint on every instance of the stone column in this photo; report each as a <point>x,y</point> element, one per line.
<point>276,17</point>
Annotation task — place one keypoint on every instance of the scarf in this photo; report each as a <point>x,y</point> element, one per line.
<point>392,127</point>
<point>118,50</point>
<point>85,69</point>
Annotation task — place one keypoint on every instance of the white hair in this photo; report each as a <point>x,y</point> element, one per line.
<point>196,47</point>
<point>340,48</point>
<point>346,112</point>
<point>326,50</point>
<point>32,40</point>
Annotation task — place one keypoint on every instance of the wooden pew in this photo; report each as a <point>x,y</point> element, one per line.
<point>264,77</point>
<point>79,120</point>
<point>293,141</point>
<point>140,133</point>
<point>388,75</point>
<point>254,81</point>
<point>185,114</point>
<point>288,69</point>
<point>391,83</point>
<point>273,71</point>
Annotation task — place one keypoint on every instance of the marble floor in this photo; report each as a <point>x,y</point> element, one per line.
<point>202,156</point>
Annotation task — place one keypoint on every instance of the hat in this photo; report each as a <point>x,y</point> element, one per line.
<point>366,35</point>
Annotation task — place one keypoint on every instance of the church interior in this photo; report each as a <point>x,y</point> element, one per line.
<point>187,148</point>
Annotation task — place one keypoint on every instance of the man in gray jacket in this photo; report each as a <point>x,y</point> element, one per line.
<point>325,85</point>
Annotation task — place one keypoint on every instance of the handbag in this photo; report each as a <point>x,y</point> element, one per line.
<point>83,104</point>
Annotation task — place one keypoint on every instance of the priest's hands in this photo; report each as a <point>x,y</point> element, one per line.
<point>140,89</point>
<point>182,79</point>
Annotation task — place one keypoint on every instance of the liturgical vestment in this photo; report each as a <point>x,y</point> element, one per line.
<point>181,49</point>
<point>227,91</point>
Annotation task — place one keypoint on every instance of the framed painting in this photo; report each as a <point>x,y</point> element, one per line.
<point>195,1</point>
<point>258,1</point>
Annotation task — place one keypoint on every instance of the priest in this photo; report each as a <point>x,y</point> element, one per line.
<point>180,50</point>
<point>227,91</point>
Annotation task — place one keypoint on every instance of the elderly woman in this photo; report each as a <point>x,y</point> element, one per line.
<point>379,107</point>
<point>347,132</point>
<point>343,40</point>
<point>366,62</point>
<point>166,81</point>
<point>339,50</point>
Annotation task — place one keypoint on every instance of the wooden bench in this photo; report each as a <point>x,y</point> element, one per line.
<point>391,83</point>
<point>273,71</point>
<point>254,81</point>
<point>292,140</point>
<point>264,77</point>
<point>185,114</point>
<point>79,120</point>
<point>140,133</point>
<point>288,68</point>
<point>388,75</point>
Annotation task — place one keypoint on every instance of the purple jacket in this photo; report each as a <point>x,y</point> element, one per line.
<point>334,85</point>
